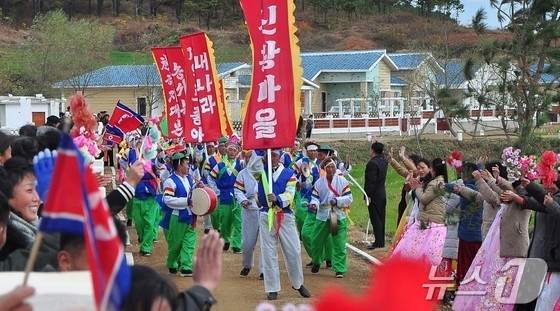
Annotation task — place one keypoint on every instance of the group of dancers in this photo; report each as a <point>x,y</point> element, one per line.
<point>294,206</point>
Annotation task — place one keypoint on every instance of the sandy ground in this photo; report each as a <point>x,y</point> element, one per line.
<point>236,293</point>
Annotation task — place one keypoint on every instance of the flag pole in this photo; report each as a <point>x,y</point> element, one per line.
<point>32,257</point>
<point>269,160</point>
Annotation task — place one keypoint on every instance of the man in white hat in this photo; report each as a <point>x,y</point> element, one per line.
<point>331,196</point>
<point>246,189</point>
<point>277,222</point>
<point>222,180</point>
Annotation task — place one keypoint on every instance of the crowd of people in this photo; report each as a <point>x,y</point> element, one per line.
<point>472,230</point>
<point>23,188</point>
<point>467,229</point>
<point>296,203</point>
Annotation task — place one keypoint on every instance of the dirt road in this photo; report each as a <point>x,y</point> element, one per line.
<point>236,293</point>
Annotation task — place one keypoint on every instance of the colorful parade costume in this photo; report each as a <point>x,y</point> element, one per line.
<point>223,176</point>
<point>210,163</point>
<point>179,222</point>
<point>280,226</point>
<point>145,209</point>
<point>246,189</point>
<point>326,190</point>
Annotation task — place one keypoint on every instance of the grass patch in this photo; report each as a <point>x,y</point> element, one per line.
<point>10,59</point>
<point>130,58</point>
<point>359,212</point>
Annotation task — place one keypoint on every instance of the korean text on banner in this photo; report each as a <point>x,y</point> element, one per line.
<point>171,67</point>
<point>202,89</point>
<point>272,107</point>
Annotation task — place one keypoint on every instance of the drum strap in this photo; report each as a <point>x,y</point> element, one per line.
<point>228,165</point>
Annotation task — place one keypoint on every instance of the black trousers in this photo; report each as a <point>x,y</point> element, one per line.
<point>402,205</point>
<point>376,210</point>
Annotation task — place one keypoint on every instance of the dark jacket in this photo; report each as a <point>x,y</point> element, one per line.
<point>374,184</point>
<point>545,243</point>
<point>196,298</point>
<point>20,237</point>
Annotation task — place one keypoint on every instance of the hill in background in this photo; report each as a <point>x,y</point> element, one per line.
<point>396,31</point>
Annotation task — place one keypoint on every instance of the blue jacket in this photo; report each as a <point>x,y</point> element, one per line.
<point>185,215</point>
<point>148,185</point>
<point>471,217</point>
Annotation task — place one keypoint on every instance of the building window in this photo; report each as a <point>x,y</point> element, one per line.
<point>141,106</point>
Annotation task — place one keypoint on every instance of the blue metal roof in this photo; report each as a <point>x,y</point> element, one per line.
<point>397,81</point>
<point>545,77</point>
<point>454,73</point>
<point>225,67</point>
<point>315,63</point>
<point>408,61</point>
<point>128,75</point>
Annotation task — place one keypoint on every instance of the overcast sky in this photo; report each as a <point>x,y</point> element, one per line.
<point>471,6</point>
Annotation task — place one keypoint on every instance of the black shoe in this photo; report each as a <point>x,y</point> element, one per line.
<point>261,276</point>
<point>172,270</point>
<point>186,273</point>
<point>129,223</point>
<point>309,265</point>
<point>374,246</point>
<point>206,231</point>
<point>329,264</point>
<point>303,291</point>
<point>145,254</point>
<point>236,250</point>
<point>226,247</point>
<point>244,272</point>
<point>272,296</point>
<point>339,275</point>
<point>315,269</point>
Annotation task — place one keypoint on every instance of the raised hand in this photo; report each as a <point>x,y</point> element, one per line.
<point>135,173</point>
<point>476,174</point>
<point>547,200</point>
<point>402,152</point>
<point>43,165</point>
<point>15,300</point>
<point>207,270</point>
<point>495,171</point>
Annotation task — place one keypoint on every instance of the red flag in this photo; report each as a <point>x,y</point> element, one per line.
<point>203,90</point>
<point>171,68</point>
<point>125,119</point>
<point>75,205</point>
<point>272,106</point>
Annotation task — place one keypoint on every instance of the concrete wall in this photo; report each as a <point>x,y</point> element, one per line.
<point>16,111</point>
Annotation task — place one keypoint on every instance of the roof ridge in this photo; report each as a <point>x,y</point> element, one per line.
<point>408,53</point>
<point>342,52</point>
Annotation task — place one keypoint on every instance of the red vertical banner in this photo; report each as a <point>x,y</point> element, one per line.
<point>271,109</point>
<point>171,67</point>
<point>228,129</point>
<point>203,90</point>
